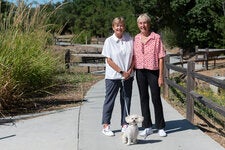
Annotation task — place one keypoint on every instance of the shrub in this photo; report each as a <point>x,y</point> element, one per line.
<point>169,38</point>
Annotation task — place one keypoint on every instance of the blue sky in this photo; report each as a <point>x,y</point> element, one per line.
<point>38,1</point>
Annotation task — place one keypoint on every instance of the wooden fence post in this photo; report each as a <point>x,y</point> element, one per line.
<point>207,58</point>
<point>89,69</point>
<point>181,57</point>
<point>190,87</point>
<point>67,59</point>
<point>196,52</point>
<point>166,76</point>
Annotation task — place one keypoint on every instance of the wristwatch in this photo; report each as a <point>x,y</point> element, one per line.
<point>121,72</point>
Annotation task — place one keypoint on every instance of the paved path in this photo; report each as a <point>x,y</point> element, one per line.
<point>79,128</point>
<point>181,134</point>
<point>55,130</point>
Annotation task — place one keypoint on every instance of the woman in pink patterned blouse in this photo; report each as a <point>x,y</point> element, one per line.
<point>148,58</point>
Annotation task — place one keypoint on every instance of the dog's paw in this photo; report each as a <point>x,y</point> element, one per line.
<point>128,144</point>
<point>124,140</point>
<point>135,141</point>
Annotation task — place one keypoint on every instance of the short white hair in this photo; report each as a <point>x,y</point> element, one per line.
<point>144,16</point>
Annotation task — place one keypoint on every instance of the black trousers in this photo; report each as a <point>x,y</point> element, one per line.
<point>112,89</point>
<point>146,78</point>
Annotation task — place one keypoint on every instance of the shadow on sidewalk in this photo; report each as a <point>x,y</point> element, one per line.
<point>179,125</point>
<point>172,126</point>
<point>2,138</point>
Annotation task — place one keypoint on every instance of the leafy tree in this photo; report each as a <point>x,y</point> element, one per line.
<point>186,22</point>
<point>94,17</point>
<point>202,18</point>
<point>197,22</point>
<point>179,21</point>
<point>4,6</point>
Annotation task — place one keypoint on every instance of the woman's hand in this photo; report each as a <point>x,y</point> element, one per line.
<point>126,75</point>
<point>160,81</point>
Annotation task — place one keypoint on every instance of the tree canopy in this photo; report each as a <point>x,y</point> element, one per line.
<point>183,23</point>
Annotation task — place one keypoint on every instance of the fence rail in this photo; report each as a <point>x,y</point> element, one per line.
<point>87,60</point>
<point>191,95</point>
<point>204,56</point>
<point>63,40</point>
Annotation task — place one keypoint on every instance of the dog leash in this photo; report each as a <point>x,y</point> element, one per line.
<point>124,96</point>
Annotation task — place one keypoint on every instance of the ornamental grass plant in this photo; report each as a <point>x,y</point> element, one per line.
<point>27,66</point>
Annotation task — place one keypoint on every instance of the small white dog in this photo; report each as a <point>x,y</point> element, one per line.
<point>131,132</point>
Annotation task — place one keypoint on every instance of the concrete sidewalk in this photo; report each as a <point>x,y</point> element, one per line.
<point>55,130</point>
<point>80,128</point>
<point>181,134</point>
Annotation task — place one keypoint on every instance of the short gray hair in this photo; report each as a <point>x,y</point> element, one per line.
<point>144,16</point>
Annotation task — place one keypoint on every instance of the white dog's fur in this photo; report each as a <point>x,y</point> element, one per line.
<point>131,132</point>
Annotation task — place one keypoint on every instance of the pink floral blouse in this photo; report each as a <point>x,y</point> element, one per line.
<point>146,56</point>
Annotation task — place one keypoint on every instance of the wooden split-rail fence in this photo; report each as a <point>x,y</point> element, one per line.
<point>205,55</point>
<point>189,90</point>
<point>87,60</point>
<point>64,40</point>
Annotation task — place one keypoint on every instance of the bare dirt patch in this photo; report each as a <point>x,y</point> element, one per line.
<point>62,96</point>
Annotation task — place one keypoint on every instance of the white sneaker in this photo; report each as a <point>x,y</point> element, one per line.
<point>146,132</point>
<point>162,133</point>
<point>106,131</point>
<point>124,128</point>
